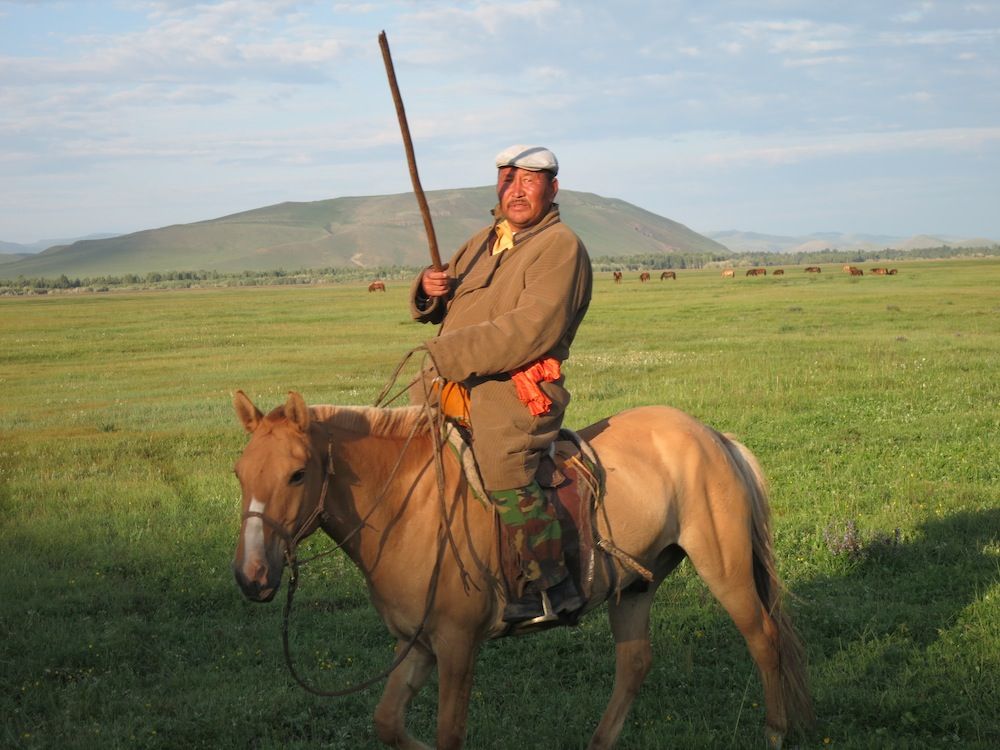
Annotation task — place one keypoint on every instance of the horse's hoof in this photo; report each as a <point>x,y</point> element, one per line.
<point>774,738</point>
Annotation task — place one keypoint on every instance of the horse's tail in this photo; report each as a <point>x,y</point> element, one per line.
<point>792,666</point>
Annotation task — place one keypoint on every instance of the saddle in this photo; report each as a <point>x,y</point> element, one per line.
<point>574,480</point>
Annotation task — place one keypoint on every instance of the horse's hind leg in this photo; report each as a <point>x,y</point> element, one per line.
<point>404,682</point>
<point>731,582</point>
<point>761,636</point>
<point>629,618</point>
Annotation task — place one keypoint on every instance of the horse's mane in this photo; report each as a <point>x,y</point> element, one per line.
<point>399,422</point>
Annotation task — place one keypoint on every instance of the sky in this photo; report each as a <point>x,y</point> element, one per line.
<point>776,116</point>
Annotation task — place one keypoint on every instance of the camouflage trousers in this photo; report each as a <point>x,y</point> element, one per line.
<point>535,532</point>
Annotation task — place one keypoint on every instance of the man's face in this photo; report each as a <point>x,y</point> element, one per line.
<point>525,196</point>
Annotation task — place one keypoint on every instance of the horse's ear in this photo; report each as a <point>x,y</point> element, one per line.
<point>297,411</point>
<point>248,414</point>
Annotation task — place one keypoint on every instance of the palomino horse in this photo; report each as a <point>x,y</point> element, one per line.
<point>369,478</point>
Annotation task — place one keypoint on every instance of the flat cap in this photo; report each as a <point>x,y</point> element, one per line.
<point>533,158</point>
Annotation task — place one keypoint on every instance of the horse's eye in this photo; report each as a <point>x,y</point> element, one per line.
<point>298,477</point>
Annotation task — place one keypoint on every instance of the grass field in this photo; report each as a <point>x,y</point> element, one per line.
<point>873,404</point>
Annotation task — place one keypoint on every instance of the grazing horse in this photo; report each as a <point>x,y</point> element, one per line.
<point>779,272</point>
<point>813,269</point>
<point>668,275</point>
<point>644,277</point>
<point>893,271</point>
<point>618,277</point>
<point>376,286</point>
<point>369,478</point>
<point>880,271</point>
<point>728,273</point>
<point>757,272</point>
<point>856,271</point>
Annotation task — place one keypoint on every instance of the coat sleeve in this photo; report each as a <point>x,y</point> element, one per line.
<point>556,284</point>
<point>425,309</point>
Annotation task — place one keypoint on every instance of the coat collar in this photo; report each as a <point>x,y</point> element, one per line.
<point>550,218</point>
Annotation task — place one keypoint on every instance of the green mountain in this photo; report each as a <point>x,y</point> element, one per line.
<point>364,232</point>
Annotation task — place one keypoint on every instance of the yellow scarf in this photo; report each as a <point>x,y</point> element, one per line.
<point>505,238</point>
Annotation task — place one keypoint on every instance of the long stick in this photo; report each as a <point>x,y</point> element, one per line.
<point>425,211</point>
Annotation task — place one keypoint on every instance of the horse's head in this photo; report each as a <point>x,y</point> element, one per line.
<point>282,477</point>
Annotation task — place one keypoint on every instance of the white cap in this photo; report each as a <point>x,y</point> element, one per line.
<point>534,158</point>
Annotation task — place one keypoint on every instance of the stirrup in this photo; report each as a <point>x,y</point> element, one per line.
<point>548,615</point>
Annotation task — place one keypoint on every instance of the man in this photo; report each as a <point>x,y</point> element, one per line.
<point>510,302</point>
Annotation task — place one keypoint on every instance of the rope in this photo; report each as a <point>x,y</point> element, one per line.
<point>623,558</point>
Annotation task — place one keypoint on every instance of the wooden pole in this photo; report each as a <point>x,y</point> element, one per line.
<point>425,211</point>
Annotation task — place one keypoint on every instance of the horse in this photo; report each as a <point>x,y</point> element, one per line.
<point>728,273</point>
<point>757,272</point>
<point>376,286</point>
<point>644,277</point>
<point>668,275</point>
<point>813,269</point>
<point>856,271</point>
<point>618,277</point>
<point>369,478</point>
<point>779,272</point>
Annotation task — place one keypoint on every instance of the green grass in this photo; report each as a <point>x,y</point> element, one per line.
<point>872,403</point>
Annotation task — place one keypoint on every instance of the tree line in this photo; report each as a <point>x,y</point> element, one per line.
<point>643,262</point>
<point>201,279</point>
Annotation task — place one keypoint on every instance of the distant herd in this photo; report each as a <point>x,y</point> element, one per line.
<point>727,273</point>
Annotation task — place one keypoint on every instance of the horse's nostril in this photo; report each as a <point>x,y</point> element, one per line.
<point>259,576</point>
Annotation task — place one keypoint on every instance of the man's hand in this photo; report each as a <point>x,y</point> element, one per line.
<point>436,283</point>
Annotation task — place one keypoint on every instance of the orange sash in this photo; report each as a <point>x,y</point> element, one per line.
<point>527,378</point>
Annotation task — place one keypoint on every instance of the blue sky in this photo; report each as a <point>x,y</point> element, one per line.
<point>775,116</point>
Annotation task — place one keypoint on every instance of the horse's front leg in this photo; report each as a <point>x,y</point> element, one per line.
<point>456,654</point>
<point>404,683</point>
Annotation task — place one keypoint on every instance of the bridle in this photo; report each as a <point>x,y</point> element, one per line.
<point>319,513</point>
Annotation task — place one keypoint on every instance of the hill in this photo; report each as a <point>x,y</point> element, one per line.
<point>358,231</point>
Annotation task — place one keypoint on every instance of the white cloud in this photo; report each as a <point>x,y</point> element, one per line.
<point>492,18</point>
<point>940,38</point>
<point>797,37</point>
<point>919,97</point>
<point>814,62</point>
<point>732,151</point>
<point>915,14</point>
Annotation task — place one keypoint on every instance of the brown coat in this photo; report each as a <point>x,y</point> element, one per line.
<point>506,311</point>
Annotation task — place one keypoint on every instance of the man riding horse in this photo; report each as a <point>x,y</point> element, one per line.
<point>509,303</point>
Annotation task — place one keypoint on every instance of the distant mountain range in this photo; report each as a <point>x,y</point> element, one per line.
<point>17,248</point>
<point>369,232</point>
<point>748,242</point>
